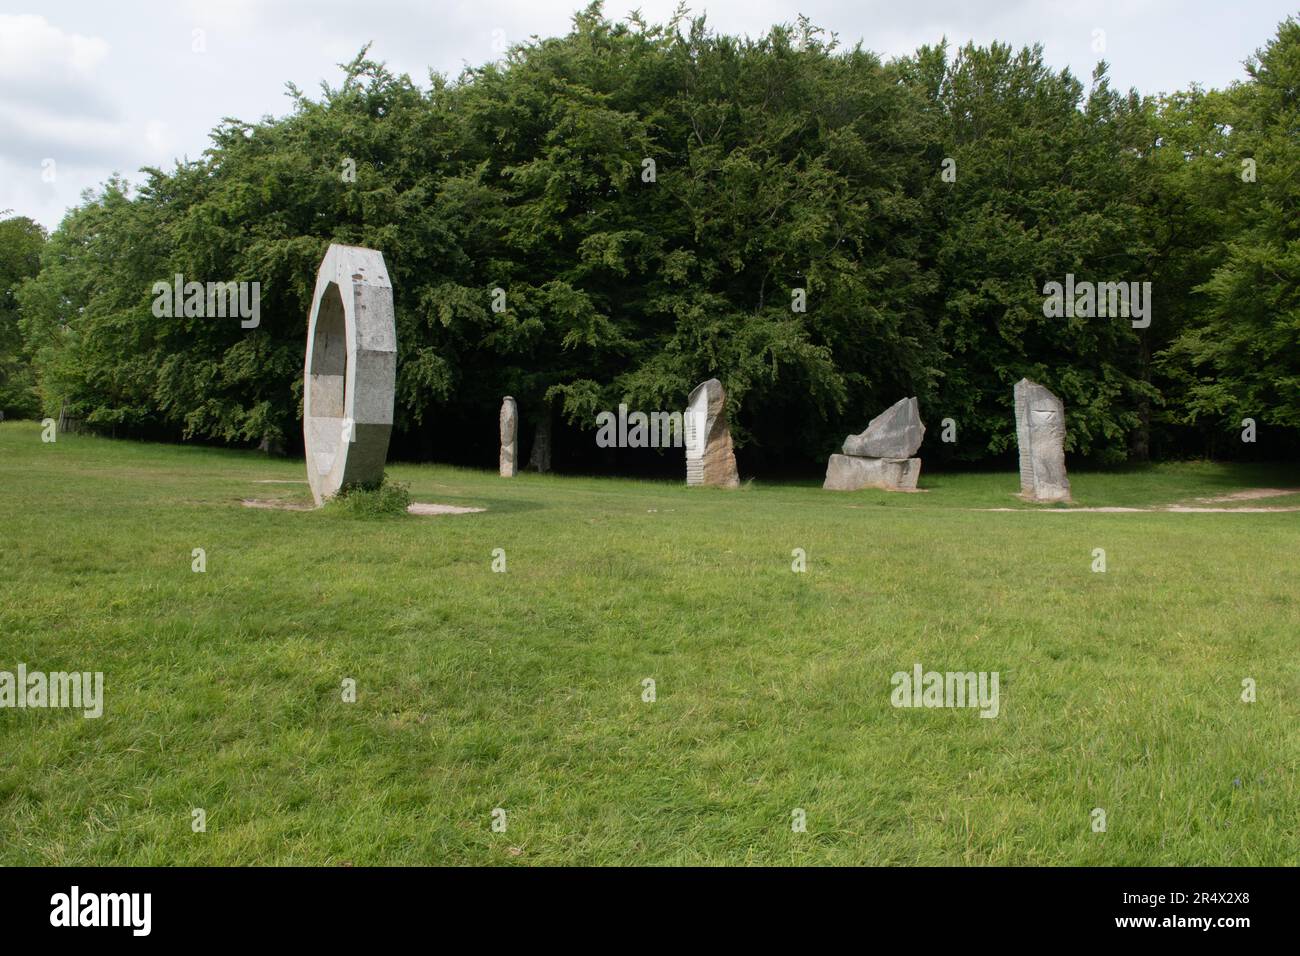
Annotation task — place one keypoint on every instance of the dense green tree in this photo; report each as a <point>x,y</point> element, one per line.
<point>1039,183</point>
<point>21,241</point>
<point>1244,351</point>
<point>618,213</point>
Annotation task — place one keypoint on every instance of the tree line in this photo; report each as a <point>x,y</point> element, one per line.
<point>615,215</point>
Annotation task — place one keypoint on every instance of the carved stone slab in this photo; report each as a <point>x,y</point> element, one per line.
<point>710,459</point>
<point>1040,432</point>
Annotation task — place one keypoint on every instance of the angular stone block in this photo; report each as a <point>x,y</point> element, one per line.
<point>851,473</point>
<point>710,459</point>
<point>350,368</point>
<point>894,433</point>
<point>509,423</point>
<point>1040,433</point>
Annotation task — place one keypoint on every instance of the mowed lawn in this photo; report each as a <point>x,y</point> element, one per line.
<point>523,690</point>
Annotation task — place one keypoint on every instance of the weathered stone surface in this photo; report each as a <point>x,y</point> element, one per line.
<point>710,459</point>
<point>349,371</point>
<point>509,422</point>
<point>894,433</point>
<point>1040,432</point>
<point>852,472</point>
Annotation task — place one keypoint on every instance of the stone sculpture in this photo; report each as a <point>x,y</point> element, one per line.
<point>350,368</point>
<point>1040,433</point>
<point>894,433</point>
<point>509,422</point>
<point>881,456</point>
<point>710,459</point>
<point>852,472</point>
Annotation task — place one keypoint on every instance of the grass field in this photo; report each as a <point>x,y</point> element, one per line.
<point>523,690</point>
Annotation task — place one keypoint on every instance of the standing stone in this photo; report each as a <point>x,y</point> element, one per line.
<point>348,376</point>
<point>509,437</point>
<point>710,459</point>
<point>894,433</point>
<point>1040,432</point>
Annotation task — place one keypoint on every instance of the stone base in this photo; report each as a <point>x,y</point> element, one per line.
<point>851,472</point>
<point>1046,494</point>
<point>716,469</point>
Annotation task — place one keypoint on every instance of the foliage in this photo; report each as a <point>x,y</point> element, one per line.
<point>1245,350</point>
<point>383,499</point>
<point>779,163</point>
<point>21,241</point>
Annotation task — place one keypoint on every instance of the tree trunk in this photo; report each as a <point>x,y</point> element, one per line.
<point>67,425</point>
<point>1139,440</point>
<point>540,459</point>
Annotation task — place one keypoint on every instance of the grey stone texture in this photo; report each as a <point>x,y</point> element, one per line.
<point>509,422</point>
<point>349,371</point>
<point>710,459</point>
<point>896,432</point>
<point>1040,433</point>
<point>853,472</point>
<point>881,456</point>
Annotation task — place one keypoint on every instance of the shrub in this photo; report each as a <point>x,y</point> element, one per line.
<point>382,499</point>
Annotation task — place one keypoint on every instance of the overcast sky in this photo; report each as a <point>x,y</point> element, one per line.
<point>93,87</point>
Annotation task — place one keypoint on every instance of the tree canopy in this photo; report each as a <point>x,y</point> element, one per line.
<point>648,203</point>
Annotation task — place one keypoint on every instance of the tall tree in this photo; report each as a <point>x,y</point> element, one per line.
<point>1246,349</point>
<point>21,241</point>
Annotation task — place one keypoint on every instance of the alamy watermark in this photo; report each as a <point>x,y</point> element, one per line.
<point>642,430</point>
<point>130,910</point>
<point>952,689</point>
<point>1088,300</point>
<point>208,300</point>
<point>82,691</point>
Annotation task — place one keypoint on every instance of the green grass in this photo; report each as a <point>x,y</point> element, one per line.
<point>522,690</point>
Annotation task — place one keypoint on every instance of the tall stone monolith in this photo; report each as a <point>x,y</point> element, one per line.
<point>710,459</point>
<point>1040,432</point>
<point>509,422</point>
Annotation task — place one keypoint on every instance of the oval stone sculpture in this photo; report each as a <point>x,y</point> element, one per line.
<point>348,376</point>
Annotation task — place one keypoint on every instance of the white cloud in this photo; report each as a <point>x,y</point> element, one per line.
<point>31,46</point>
<point>105,90</point>
<point>51,102</point>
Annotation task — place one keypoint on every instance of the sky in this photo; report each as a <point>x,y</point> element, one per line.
<point>89,88</point>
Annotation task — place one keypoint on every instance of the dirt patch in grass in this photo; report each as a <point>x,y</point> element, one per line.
<point>276,505</point>
<point>1251,494</point>
<point>421,508</point>
<point>415,508</point>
